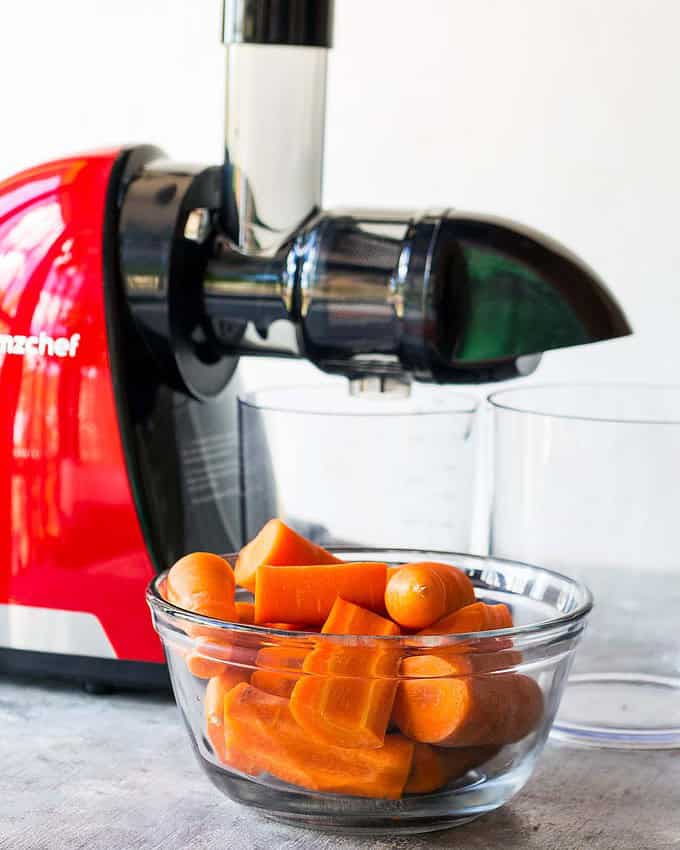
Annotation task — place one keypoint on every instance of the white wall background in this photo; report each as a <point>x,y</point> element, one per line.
<point>564,114</point>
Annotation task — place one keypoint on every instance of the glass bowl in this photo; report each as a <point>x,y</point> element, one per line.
<point>481,712</point>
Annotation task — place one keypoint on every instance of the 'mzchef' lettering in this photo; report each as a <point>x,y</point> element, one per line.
<point>59,346</point>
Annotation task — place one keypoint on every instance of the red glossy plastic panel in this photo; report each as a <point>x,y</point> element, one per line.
<point>69,533</point>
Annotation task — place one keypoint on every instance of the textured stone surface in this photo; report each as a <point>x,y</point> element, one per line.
<point>114,772</point>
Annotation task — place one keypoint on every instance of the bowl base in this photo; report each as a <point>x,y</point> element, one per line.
<point>629,711</point>
<point>476,795</point>
<point>376,827</point>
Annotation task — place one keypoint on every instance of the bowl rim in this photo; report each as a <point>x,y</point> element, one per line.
<point>563,621</point>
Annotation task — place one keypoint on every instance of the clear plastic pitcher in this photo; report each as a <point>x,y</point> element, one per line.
<point>362,470</point>
<point>587,482</point>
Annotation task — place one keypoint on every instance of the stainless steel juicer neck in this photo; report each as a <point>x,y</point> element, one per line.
<point>274,117</point>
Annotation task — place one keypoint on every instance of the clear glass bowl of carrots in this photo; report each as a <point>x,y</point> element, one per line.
<point>366,690</point>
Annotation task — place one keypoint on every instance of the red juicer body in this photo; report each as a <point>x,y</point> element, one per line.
<point>73,558</point>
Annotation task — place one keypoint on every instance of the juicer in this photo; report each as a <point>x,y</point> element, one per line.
<point>130,286</point>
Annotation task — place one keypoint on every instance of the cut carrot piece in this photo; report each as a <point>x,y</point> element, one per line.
<point>346,618</point>
<point>488,655</point>
<point>459,760</point>
<point>352,662</point>
<point>347,710</point>
<point>278,668</point>
<point>305,594</point>
<point>261,737</point>
<point>479,617</point>
<point>347,698</point>
<point>287,627</point>
<point>419,594</point>
<point>210,657</point>
<point>213,707</point>
<point>245,611</point>
<point>429,696</point>
<point>279,684</point>
<point>203,583</point>
<point>428,771</point>
<point>277,545</point>
<point>494,654</point>
<point>207,658</point>
<point>433,767</point>
<point>439,702</point>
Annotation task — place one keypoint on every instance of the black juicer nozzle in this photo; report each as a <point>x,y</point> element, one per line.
<point>449,298</point>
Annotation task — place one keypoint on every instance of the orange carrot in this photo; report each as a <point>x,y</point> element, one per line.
<point>211,656</point>
<point>287,627</point>
<point>433,767</point>
<point>429,696</point>
<point>459,760</point>
<point>440,702</point>
<point>346,618</point>
<point>493,654</point>
<point>487,655</point>
<point>208,659</point>
<point>245,612</point>
<point>347,710</point>
<point>278,668</point>
<point>213,706</point>
<point>203,583</point>
<point>347,698</point>
<point>262,737</point>
<point>479,617</point>
<point>428,771</point>
<point>419,594</point>
<point>277,545</point>
<point>305,594</point>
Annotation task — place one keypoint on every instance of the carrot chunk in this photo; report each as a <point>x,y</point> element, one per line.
<point>245,611</point>
<point>211,656</point>
<point>203,583</point>
<point>262,737</point>
<point>433,767</point>
<point>305,594</point>
<point>348,695</point>
<point>277,545</point>
<point>346,618</point>
<point>488,655</point>
<point>492,653</point>
<point>207,658</point>
<point>213,706</point>
<point>428,771</point>
<point>419,594</point>
<point>439,701</point>
<point>278,668</point>
<point>478,617</point>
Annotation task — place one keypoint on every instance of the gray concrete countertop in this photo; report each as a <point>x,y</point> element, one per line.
<point>117,772</point>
